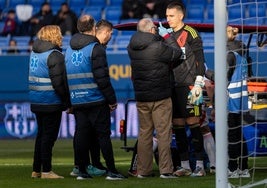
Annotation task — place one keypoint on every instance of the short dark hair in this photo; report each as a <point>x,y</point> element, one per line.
<point>103,23</point>
<point>85,23</point>
<point>177,5</point>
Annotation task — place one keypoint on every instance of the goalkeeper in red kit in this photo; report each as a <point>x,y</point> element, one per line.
<point>187,91</point>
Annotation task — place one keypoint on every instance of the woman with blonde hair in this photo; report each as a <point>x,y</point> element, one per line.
<point>49,96</point>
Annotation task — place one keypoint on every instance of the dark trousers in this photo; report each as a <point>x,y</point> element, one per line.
<point>47,133</point>
<point>93,156</point>
<point>237,146</point>
<point>94,120</point>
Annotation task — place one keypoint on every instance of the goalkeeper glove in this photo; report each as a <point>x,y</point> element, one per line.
<point>195,96</point>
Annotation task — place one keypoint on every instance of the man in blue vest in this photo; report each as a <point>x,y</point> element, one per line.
<point>92,96</point>
<point>237,104</point>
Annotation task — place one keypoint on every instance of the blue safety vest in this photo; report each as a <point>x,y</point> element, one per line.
<point>41,90</point>
<point>82,85</point>
<point>237,88</point>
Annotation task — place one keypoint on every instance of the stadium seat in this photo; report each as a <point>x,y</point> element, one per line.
<point>115,2</point>
<point>77,6</point>
<point>121,42</point>
<point>3,4</point>
<point>125,32</point>
<point>195,12</point>
<point>22,42</point>
<point>112,13</point>
<point>254,21</point>
<point>56,3</point>
<point>101,3</point>
<point>36,3</point>
<point>95,11</point>
<point>257,10</point>
<point>196,2</point>
<point>210,11</point>
<point>237,11</point>
<point>14,3</point>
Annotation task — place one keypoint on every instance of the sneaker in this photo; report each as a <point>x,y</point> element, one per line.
<point>132,173</point>
<point>84,176</point>
<point>93,171</point>
<point>115,176</point>
<point>146,176</point>
<point>75,171</point>
<point>198,172</point>
<point>167,176</point>
<point>212,170</point>
<point>244,173</point>
<point>182,172</point>
<point>36,174</point>
<point>50,175</point>
<point>233,174</point>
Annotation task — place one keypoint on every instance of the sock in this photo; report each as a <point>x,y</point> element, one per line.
<point>185,164</point>
<point>199,164</point>
<point>209,146</point>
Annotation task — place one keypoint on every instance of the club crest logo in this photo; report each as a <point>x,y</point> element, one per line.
<point>19,120</point>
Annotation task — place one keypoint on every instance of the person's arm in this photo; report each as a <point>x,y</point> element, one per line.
<point>231,64</point>
<point>101,74</point>
<point>57,74</point>
<point>196,45</point>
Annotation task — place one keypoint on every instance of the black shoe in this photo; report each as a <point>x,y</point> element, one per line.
<point>83,176</point>
<point>167,176</point>
<point>115,176</point>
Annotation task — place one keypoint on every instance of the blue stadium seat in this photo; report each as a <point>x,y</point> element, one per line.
<point>210,11</point>
<point>254,21</point>
<point>125,32</point>
<point>195,12</point>
<point>257,10</point>
<point>236,11</point>
<point>3,4</point>
<point>115,2</point>
<point>112,13</point>
<point>36,3</point>
<point>110,45</point>
<point>22,41</point>
<point>121,42</point>
<point>95,11</point>
<point>101,3</point>
<point>14,3</point>
<point>77,6</point>
<point>56,3</point>
<point>196,2</point>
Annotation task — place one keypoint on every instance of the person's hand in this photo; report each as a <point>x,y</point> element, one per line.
<point>113,107</point>
<point>195,96</point>
<point>163,31</point>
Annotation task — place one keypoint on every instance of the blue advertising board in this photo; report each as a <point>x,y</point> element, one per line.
<point>17,121</point>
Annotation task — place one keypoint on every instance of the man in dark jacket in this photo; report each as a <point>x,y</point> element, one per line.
<point>92,96</point>
<point>49,96</point>
<point>43,17</point>
<point>151,60</point>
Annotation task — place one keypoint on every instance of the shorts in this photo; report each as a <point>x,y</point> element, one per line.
<point>181,109</point>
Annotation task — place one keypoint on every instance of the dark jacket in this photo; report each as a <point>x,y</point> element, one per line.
<point>99,65</point>
<point>151,61</point>
<point>236,46</point>
<point>57,74</point>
